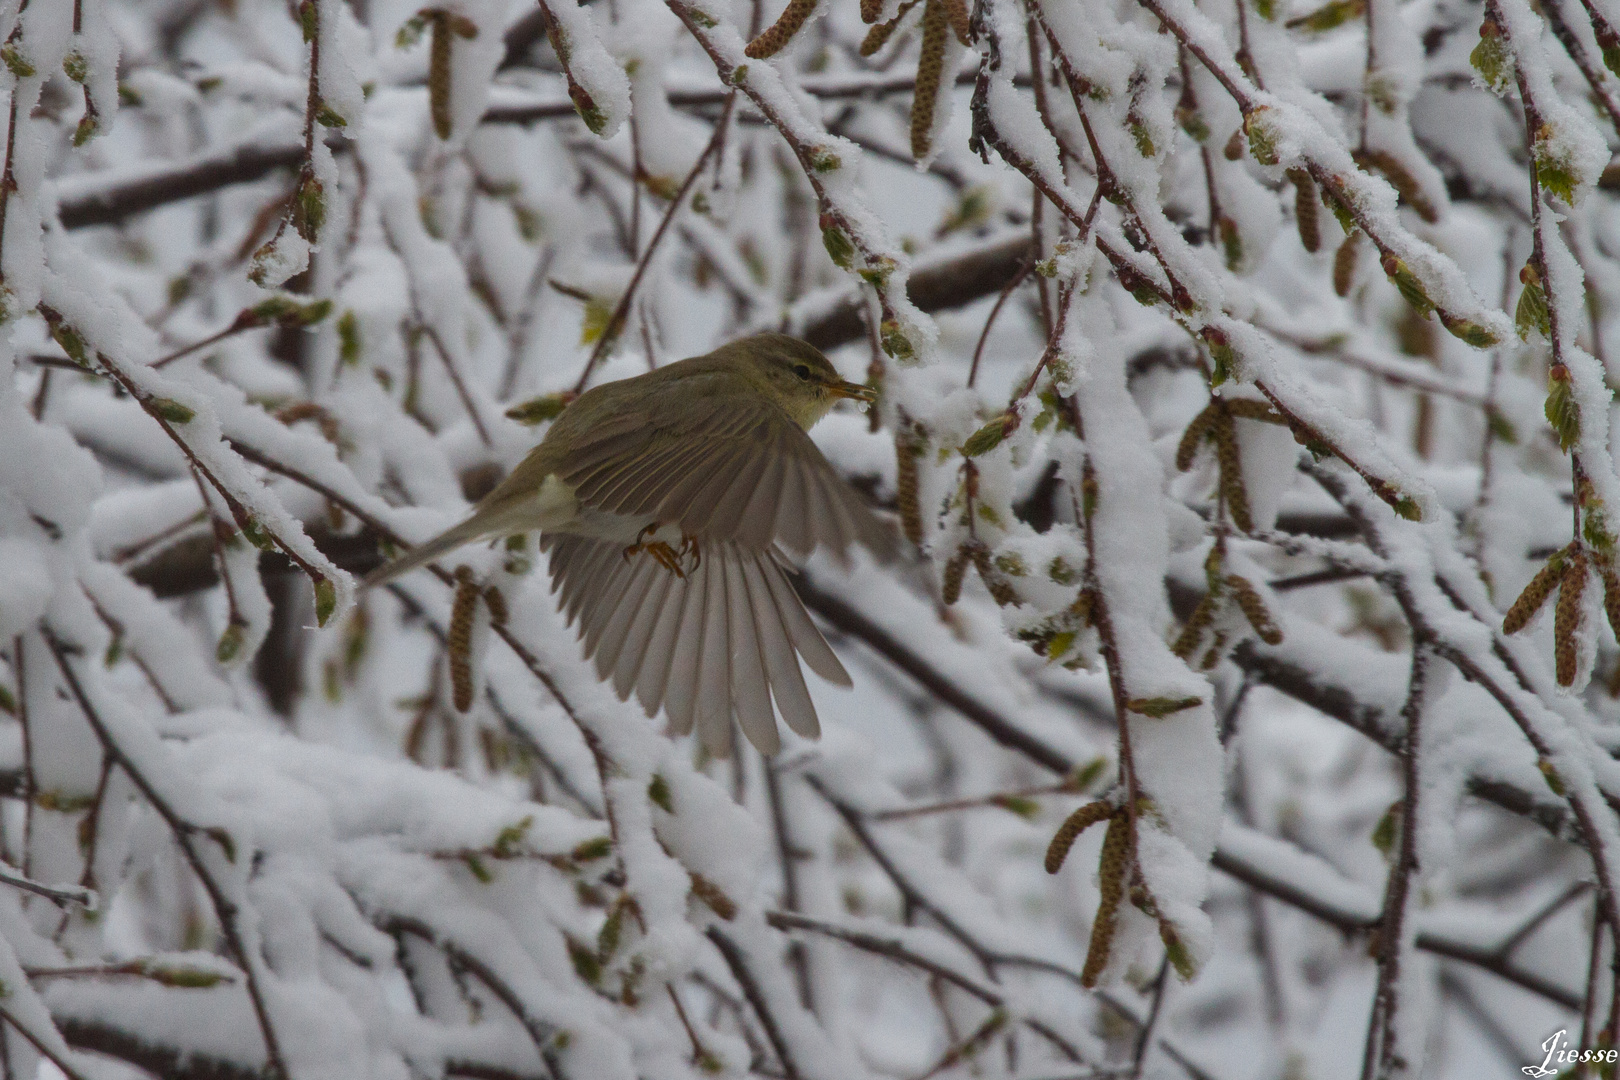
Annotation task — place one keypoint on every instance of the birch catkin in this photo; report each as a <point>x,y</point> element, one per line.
<point>1111,874</point>
<point>458,639</point>
<point>906,453</point>
<point>956,12</point>
<point>1192,633</point>
<point>1611,599</point>
<point>1567,617</point>
<point>1075,824</point>
<point>930,65</point>
<point>879,35</point>
<point>1197,431</point>
<point>1344,264</point>
<point>1231,463</point>
<point>779,33</point>
<point>1254,609</point>
<point>439,74</point>
<point>950,590</point>
<point>1305,210</point>
<point>1534,595</point>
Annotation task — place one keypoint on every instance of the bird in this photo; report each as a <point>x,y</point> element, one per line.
<point>667,503</point>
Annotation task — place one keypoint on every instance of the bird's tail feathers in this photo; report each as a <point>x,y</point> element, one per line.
<point>465,533</point>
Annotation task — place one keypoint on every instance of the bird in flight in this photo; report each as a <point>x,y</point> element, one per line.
<point>665,502</point>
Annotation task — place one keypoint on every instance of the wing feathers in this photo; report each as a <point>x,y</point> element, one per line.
<point>782,664</point>
<point>702,468</point>
<point>726,637</point>
<point>751,693</point>
<point>714,670</point>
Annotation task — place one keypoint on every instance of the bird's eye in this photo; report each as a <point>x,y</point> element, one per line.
<point>802,371</point>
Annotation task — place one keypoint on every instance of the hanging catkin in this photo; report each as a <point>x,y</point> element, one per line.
<point>779,33</point>
<point>930,66</point>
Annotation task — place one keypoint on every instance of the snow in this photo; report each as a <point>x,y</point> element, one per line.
<point>532,885</point>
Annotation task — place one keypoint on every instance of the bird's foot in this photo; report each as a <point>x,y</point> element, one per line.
<point>668,557</point>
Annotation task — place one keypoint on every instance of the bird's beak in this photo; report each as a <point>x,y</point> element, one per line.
<point>853,390</point>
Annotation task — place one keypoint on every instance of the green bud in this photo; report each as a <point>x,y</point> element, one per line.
<point>325,600</point>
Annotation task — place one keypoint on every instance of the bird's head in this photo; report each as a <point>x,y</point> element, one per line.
<point>795,375</point>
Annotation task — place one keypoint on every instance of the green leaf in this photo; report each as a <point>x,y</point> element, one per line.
<point>658,792</point>
<point>599,847</point>
<point>271,309</point>
<point>1388,830</point>
<point>309,208</point>
<point>348,331</point>
<point>476,867</point>
<point>1493,60</point>
<point>838,246</point>
<point>1502,427</point>
<point>325,600</point>
<point>1143,138</point>
<point>1532,315</point>
<point>607,938</point>
<point>586,964</point>
<point>171,410</point>
<point>72,343</point>
<point>895,342</point>
<point>76,67</point>
<point>509,841</point>
<point>1329,16</point>
<point>1561,409</point>
<point>1408,285</point>
<point>17,63</point>
<point>823,160</point>
<point>1027,809</point>
<point>230,643</point>
<point>8,703</point>
<point>988,437</point>
<point>257,536</point>
<point>598,313</point>
<point>1160,707</point>
<point>1262,136</point>
<point>188,978</point>
<point>1555,169</point>
<point>218,835</point>
<point>1468,332</point>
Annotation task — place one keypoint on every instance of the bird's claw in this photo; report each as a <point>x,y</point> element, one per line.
<point>668,557</point>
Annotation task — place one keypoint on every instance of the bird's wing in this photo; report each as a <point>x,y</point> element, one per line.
<point>729,468</point>
<point>727,635</point>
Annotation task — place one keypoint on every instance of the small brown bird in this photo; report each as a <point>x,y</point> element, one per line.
<point>662,500</point>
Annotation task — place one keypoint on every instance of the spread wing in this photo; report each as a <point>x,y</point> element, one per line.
<point>730,468</point>
<point>728,635</point>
